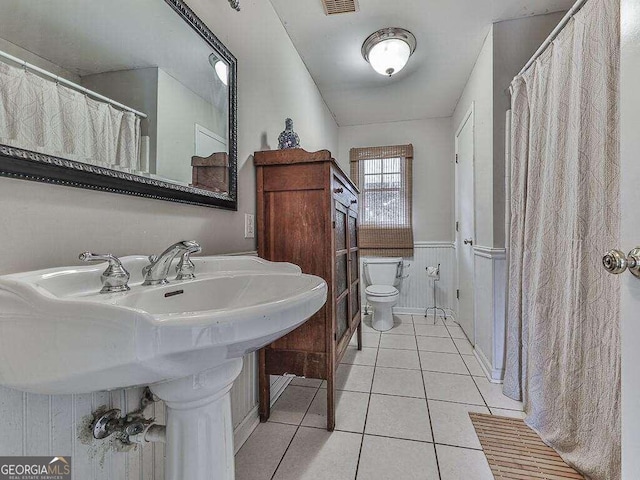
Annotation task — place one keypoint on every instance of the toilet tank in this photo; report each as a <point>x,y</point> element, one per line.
<point>382,271</point>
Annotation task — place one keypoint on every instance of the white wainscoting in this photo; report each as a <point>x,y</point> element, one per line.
<point>59,425</point>
<point>416,291</point>
<point>490,309</point>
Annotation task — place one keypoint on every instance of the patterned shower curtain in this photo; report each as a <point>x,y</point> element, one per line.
<point>563,346</point>
<point>39,115</point>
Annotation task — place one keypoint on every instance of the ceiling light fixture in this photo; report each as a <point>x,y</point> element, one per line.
<point>388,50</point>
<point>221,68</point>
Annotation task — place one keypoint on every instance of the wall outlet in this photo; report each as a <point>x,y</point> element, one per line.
<point>249,225</point>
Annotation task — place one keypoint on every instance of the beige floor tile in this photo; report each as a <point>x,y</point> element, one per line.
<point>366,325</point>
<point>462,464</point>
<point>492,393</point>
<point>435,344</point>
<point>398,417</point>
<point>292,405</point>
<point>432,331</point>
<point>354,378</point>
<point>443,362</point>
<point>371,340</point>
<point>306,382</point>
<point>464,346</point>
<point>456,331</point>
<point>351,411</point>
<point>316,454</point>
<point>402,318</point>
<point>507,413</point>
<point>422,320</point>
<point>473,365</point>
<point>400,342</point>
<point>401,329</point>
<point>398,359</point>
<point>366,356</point>
<point>392,458</point>
<point>393,381</point>
<point>451,321</point>
<point>452,388</point>
<point>452,425</point>
<point>259,456</point>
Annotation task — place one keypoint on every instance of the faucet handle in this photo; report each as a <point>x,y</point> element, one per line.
<point>185,268</point>
<point>115,278</point>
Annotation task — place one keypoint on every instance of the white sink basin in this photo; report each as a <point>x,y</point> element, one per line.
<point>186,340</point>
<point>59,335</point>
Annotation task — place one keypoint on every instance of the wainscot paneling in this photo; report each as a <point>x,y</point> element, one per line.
<point>416,290</point>
<point>490,309</point>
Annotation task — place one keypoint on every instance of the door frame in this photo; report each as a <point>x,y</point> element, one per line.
<point>469,116</point>
<point>629,235</point>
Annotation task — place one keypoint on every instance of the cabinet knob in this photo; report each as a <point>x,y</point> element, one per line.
<point>338,190</point>
<point>354,201</point>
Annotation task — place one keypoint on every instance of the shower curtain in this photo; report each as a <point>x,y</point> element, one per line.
<point>40,115</point>
<point>563,347</point>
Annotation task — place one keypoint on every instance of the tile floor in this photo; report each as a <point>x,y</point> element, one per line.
<point>403,406</point>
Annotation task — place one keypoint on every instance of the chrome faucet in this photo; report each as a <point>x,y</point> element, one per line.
<point>157,271</point>
<point>115,278</point>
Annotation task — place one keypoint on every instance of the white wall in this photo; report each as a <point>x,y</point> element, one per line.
<point>514,41</point>
<point>506,49</point>
<point>179,109</point>
<point>479,91</point>
<point>48,225</point>
<point>433,162</point>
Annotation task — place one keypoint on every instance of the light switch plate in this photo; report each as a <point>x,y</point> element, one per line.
<point>249,225</point>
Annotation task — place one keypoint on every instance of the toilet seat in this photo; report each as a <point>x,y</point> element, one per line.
<point>381,291</point>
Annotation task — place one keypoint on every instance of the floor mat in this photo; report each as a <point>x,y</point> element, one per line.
<point>515,452</point>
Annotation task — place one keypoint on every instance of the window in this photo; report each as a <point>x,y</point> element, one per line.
<point>384,177</point>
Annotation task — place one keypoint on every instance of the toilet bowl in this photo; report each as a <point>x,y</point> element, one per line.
<point>383,275</point>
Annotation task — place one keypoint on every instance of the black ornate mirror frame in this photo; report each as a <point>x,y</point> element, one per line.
<point>26,165</point>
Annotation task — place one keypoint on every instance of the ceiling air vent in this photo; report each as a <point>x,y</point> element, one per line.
<point>334,7</point>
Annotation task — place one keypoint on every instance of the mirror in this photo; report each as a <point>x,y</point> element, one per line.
<point>135,97</point>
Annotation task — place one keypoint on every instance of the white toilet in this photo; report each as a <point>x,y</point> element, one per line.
<point>382,275</point>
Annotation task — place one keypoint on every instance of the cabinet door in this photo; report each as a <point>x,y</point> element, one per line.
<point>342,280</point>
<point>354,267</point>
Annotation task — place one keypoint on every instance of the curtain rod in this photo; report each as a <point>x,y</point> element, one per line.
<point>552,36</point>
<point>68,83</point>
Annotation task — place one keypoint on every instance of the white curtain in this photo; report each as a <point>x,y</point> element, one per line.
<point>37,114</point>
<point>563,346</point>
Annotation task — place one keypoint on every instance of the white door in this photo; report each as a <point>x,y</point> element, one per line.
<point>630,236</point>
<point>465,226</point>
<point>208,142</point>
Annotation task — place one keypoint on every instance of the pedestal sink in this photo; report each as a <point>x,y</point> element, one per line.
<point>185,340</point>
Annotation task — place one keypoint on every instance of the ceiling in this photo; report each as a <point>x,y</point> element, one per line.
<point>450,35</point>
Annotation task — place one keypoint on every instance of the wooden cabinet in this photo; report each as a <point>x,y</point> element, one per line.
<point>308,215</point>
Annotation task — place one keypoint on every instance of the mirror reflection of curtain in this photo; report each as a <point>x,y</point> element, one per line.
<point>40,115</point>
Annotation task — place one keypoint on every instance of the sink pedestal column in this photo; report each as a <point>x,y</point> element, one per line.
<point>199,426</point>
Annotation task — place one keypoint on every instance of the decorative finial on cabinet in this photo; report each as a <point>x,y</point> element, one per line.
<point>235,4</point>
<point>288,138</point>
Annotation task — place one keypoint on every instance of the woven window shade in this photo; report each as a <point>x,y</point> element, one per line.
<point>384,176</point>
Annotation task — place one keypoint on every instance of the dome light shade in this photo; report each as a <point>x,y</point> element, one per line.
<point>388,50</point>
<point>221,68</point>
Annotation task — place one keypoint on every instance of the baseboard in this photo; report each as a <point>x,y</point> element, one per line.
<point>420,311</point>
<point>494,375</point>
<point>246,427</point>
